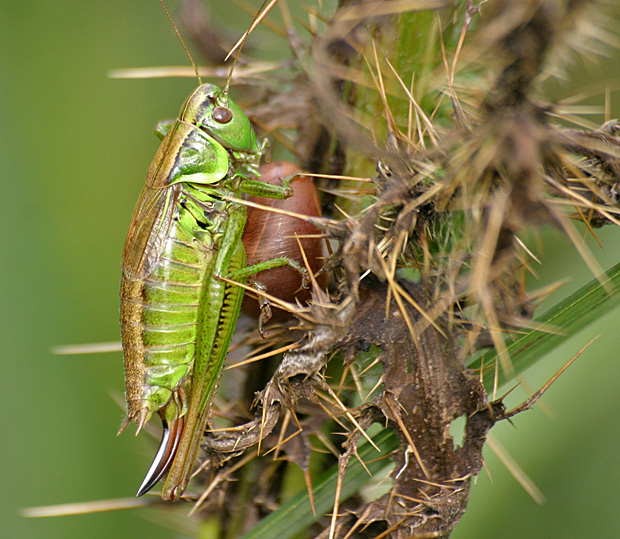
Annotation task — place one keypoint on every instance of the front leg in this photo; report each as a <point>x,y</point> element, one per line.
<point>261,288</point>
<point>267,190</point>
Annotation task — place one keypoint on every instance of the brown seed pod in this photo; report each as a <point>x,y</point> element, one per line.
<point>271,235</point>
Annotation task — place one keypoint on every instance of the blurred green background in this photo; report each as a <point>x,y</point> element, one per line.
<point>74,150</point>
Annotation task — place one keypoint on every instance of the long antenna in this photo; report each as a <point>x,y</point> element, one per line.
<point>183,42</point>
<point>260,14</point>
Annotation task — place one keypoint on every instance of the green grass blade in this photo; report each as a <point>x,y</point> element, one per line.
<point>570,315</point>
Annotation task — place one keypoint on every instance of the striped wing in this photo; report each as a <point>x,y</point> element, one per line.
<point>148,231</point>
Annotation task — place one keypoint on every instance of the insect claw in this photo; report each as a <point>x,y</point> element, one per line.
<point>265,316</point>
<point>164,456</point>
<point>305,278</point>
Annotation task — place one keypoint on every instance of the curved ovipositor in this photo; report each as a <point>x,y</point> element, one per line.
<point>163,458</point>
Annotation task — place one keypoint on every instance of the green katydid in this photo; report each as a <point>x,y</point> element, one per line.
<point>177,313</point>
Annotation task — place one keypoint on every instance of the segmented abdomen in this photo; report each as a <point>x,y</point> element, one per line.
<point>159,318</point>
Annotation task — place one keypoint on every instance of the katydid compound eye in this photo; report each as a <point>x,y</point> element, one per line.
<point>222,115</point>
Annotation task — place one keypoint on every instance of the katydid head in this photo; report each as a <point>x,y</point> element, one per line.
<point>211,110</point>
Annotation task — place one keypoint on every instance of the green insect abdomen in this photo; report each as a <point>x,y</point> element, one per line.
<point>159,315</point>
